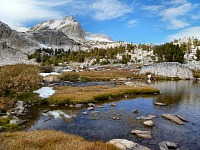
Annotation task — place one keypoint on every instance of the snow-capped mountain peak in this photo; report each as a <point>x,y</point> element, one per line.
<point>72,29</point>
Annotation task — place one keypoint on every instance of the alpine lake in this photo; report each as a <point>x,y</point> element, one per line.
<point>108,122</point>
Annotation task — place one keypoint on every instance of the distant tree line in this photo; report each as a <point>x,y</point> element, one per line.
<point>169,52</point>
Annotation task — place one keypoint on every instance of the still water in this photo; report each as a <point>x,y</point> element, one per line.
<point>182,97</point>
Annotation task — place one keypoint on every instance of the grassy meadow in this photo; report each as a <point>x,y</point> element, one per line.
<point>75,95</point>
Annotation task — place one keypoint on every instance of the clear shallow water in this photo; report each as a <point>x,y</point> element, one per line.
<point>183,98</point>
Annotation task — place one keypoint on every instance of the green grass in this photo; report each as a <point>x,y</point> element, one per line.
<point>5,126</point>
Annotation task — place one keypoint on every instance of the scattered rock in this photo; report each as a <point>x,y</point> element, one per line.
<point>136,111</point>
<point>160,104</point>
<point>100,106</point>
<point>17,121</point>
<point>85,113</point>
<point>113,104</point>
<point>167,145</point>
<point>94,112</point>
<point>45,111</point>
<point>124,144</point>
<point>148,123</point>
<point>173,118</point>
<point>90,108</point>
<point>115,118</point>
<point>66,105</point>
<point>91,105</point>
<point>149,117</point>
<point>71,106</point>
<point>142,134</point>
<point>129,83</point>
<point>79,105</point>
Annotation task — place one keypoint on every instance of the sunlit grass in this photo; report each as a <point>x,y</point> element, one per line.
<point>104,75</point>
<point>48,140</point>
<point>74,95</point>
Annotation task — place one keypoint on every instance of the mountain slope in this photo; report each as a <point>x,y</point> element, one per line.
<point>72,29</point>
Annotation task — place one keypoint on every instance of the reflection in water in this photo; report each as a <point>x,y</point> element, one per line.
<point>182,97</point>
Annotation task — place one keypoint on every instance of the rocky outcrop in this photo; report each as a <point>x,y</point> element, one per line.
<point>51,37</point>
<point>5,30</point>
<point>124,144</point>
<point>168,69</point>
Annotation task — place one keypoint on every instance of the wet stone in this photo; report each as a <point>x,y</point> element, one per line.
<point>90,108</point>
<point>136,111</point>
<point>91,105</point>
<point>85,113</point>
<point>45,111</point>
<point>113,104</point>
<point>148,123</point>
<point>167,145</point>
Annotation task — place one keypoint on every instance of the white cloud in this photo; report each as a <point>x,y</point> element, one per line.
<point>175,12</point>
<point>188,32</point>
<point>109,9</point>
<point>133,23</point>
<point>153,8</point>
<point>17,12</point>
<point>196,16</point>
<point>176,2</point>
<point>177,24</point>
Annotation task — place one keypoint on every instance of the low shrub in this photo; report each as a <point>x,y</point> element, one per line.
<point>18,79</point>
<point>46,69</point>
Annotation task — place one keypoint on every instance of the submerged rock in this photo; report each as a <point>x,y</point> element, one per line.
<point>113,104</point>
<point>168,69</point>
<point>167,145</point>
<point>90,108</point>
<point>149,117</point>
<point>85,113</point>
<point>175,118</point>
<point>124,144</point>
<point>142,134</point>
<point>160,104</point>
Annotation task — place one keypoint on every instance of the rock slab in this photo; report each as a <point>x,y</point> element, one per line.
<point>168,69</point>
<point>175,118</point>
<point>124,144</point>
<point>167,145</point>
<point>142,134</point>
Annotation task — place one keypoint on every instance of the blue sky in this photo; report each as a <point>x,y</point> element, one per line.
<point>137,21</point>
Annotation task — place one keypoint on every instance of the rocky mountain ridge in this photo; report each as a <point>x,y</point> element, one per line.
<point>72,29</point>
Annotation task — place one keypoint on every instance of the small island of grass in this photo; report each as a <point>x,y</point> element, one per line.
<point>68,94</point>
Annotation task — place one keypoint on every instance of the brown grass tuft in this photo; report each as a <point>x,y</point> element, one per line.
<point>48,140</point>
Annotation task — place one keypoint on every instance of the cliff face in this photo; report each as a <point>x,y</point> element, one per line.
<point>168,69</point>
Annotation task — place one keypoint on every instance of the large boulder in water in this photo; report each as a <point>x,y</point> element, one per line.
<point>168,69</point>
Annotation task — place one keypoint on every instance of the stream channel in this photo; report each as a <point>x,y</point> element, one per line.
<point>182,97</point>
